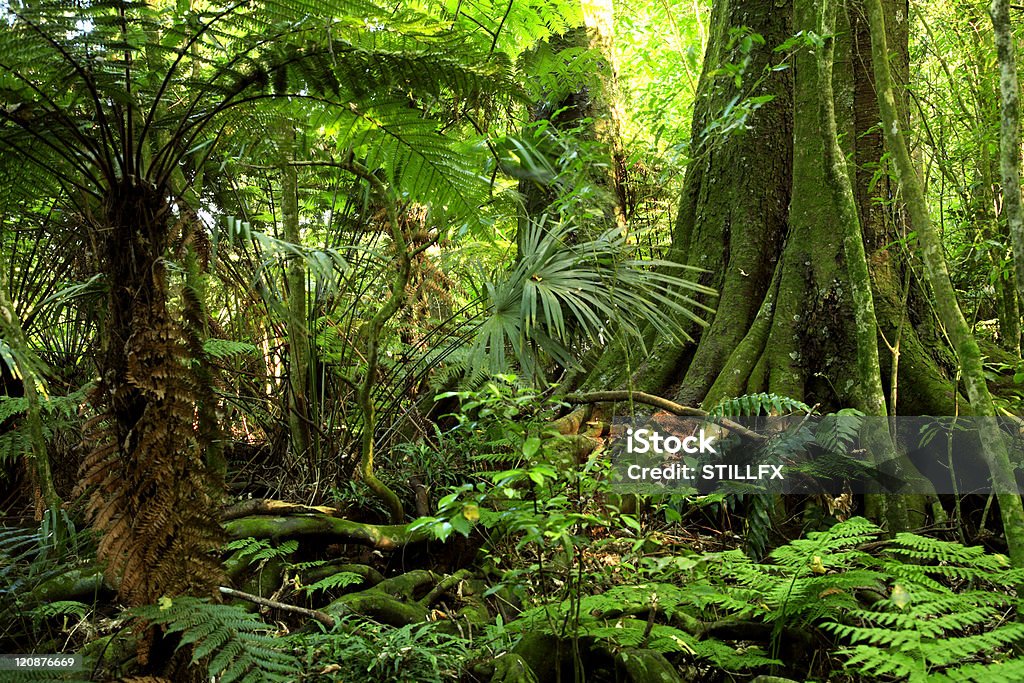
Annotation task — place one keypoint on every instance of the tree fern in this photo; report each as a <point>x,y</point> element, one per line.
<point>516,26</point>
<point>234,644</point>
<point>415,157</point>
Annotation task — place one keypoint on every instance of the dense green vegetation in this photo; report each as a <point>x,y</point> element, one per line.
<point>319,321</point>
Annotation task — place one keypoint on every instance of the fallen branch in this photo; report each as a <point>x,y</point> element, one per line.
<point>324,618</point>
<point>664,404</point>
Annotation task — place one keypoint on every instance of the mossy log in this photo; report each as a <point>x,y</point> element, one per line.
<point>379,536</point>
<point>75,584</point>
<point>645,666</point>
<point>511,668</point>
<point>379,607</point>
<point>392,601</point>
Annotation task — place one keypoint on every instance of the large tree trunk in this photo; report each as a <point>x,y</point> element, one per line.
<point>757,215</point>
<point>733,214</point>
<point>587,112</point>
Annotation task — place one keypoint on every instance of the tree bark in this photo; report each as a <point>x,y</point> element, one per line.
<point>733,213</point>
<point>298,334</point>
<point>1009,135</point>
<point>872,395</point>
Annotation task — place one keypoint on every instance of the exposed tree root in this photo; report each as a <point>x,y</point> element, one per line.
<point>392,601</point>
<point>382,537</point>
<point>640,666</point>
<point>571,423</point>
<point>267,506</point>
<point>509,668</point>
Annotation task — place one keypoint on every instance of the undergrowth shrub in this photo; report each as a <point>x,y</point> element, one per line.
<point>362,650</point>
<point>33,567</point>
<point>915,608</point>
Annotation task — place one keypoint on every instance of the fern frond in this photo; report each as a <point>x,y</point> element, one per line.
<point>339,580</point>
<point>240,643</point>
<point>756,404</point>
<point>420,162</point>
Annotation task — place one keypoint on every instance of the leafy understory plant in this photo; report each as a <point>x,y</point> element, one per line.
<point>924,630</point>
<point>362,650</point>
<point>564,289</point>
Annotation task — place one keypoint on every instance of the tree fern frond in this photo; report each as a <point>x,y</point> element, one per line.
<point>244,650</point>
<point>416,159</point>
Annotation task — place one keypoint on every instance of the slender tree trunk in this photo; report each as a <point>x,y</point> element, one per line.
<point>151,490</point>
<point>374,330</point>
<point>588,113</point>
<point>945,297</point>
<point>1009,135</point>
<point>297,330</point>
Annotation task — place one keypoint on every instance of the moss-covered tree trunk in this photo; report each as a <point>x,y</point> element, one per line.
<point>733,215</point>
<point>757,214</point>
<point>1009,141</point>
<point>584,112</point>
<point>876,436</point>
